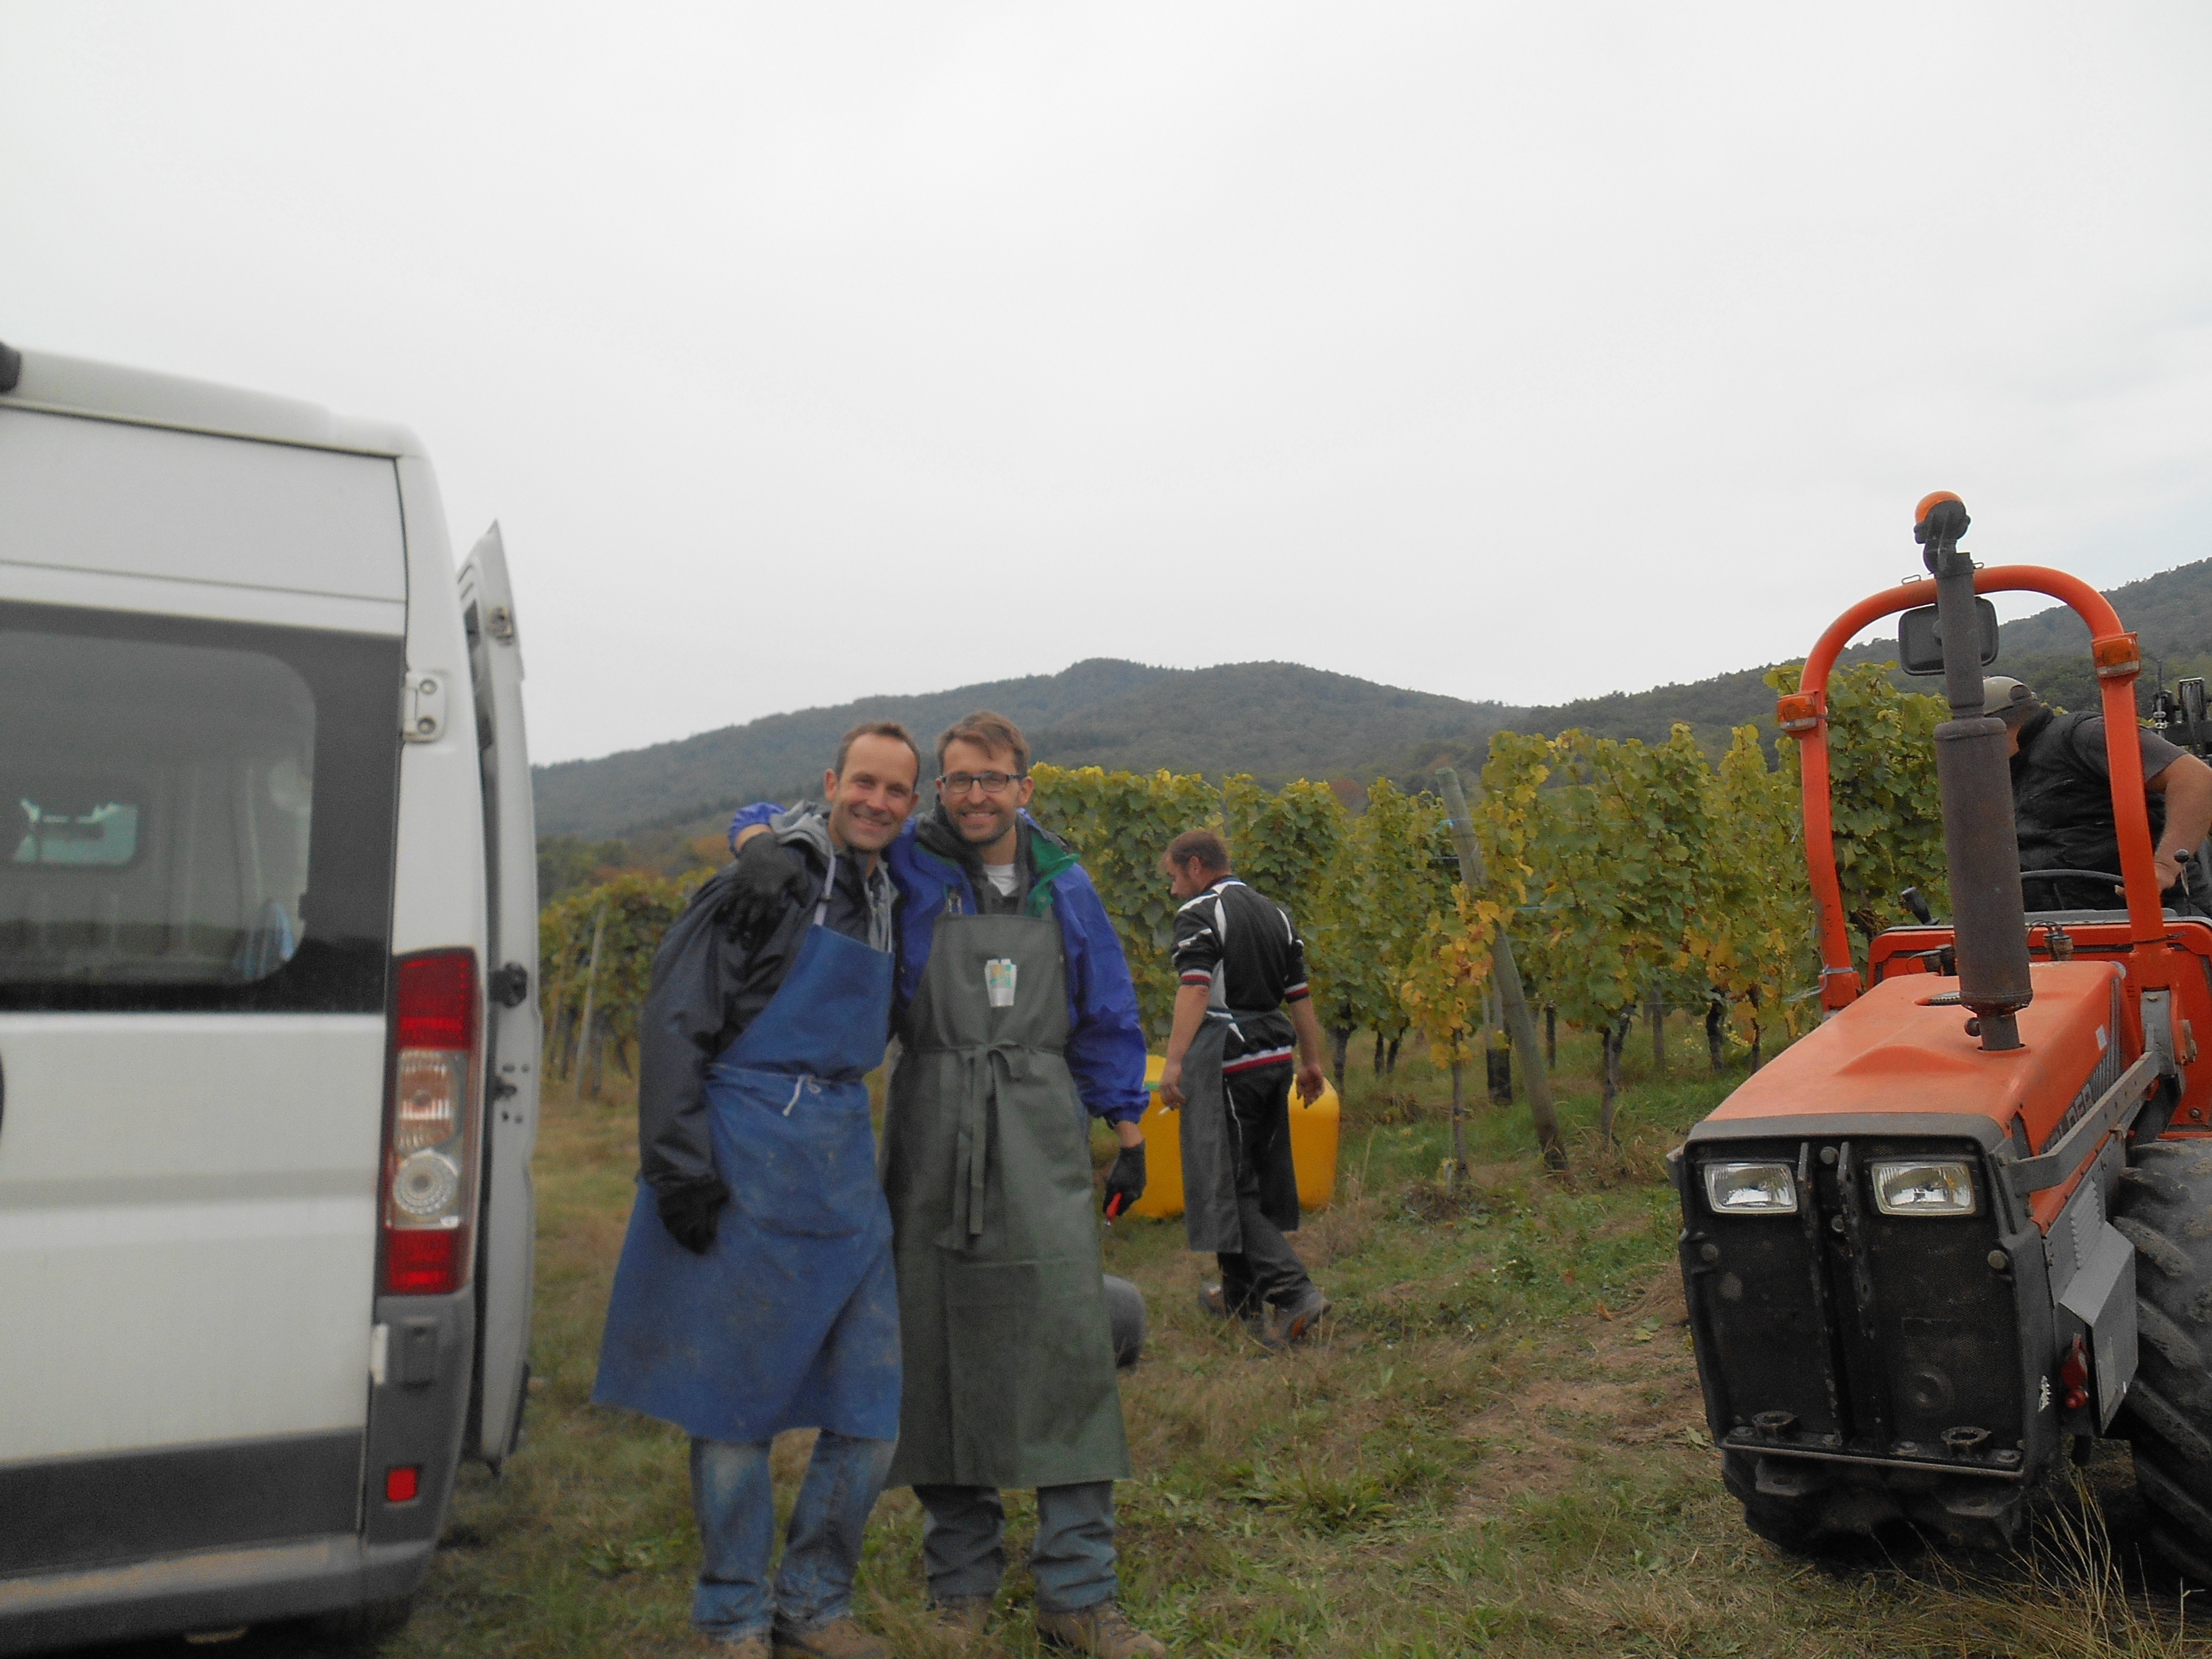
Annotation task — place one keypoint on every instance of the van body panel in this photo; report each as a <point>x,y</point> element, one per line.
<point>417,1411</point>
<point>99,589</point>
<point>206,1589</point>
<point>89,1512</point>
<point>187,1227</point>
<point>131,500</point>
<point>507,1238</point>
<point>55,383</point>
<point>439,901</point>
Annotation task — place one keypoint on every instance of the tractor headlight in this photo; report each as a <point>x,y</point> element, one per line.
<point>1750,1189</point>
<point>1923,1186</point>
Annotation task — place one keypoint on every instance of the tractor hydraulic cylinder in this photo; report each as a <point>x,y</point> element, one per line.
<point>1973,773</point>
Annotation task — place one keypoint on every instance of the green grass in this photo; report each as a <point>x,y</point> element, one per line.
<point>1498,1449</point>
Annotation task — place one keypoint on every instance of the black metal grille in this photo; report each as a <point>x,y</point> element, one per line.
<point>1843,1332</point>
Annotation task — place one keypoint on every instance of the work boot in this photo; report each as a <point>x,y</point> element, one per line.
<point>1213,1300</point>
<point>753,1645</point>
<point>840,1638</point>
<point>1102,1629</point>
<point>1300,1319</point>
<point>961,1617</point>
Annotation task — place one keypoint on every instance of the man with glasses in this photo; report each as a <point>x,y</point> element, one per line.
<point>1016,1016</point>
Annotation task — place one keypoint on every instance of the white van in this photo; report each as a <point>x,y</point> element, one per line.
<point>268,1035</point>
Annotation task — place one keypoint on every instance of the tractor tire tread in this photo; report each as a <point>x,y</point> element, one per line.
<point>2167,1413</point>
<point>2166,1423</point>
<point>2154,1246</point>
<point>2172,1157</point>
<point>2163,1184</point>
<point>2170,1497</point>
<point>2186,1558</point>
<point>2174,1344</point>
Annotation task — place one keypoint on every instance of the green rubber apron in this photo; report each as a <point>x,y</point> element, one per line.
<point>1008,1357</point>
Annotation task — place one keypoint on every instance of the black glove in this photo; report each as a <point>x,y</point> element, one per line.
<point>689,1211</point>
<point>766,877</point>
<point>1125,1181</point>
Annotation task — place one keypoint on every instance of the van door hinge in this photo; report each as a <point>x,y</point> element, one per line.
<point>422,707</point>
<point>499,623</point>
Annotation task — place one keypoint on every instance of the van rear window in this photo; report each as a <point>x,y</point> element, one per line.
<point>194,815</point>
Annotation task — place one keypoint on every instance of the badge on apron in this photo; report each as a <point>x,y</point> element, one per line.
<point>998,981</point>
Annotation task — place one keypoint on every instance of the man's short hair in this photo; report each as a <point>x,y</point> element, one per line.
<point>1201,844</point>
<point>988,731</point>
<point>878,729</point>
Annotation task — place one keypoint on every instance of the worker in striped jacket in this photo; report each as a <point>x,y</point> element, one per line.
<point>1232,1055</point>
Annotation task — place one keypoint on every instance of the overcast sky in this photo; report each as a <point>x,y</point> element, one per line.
<point>809,351</point>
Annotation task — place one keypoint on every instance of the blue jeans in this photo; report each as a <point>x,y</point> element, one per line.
<point>734,1499</point>
<point>964,1544</point>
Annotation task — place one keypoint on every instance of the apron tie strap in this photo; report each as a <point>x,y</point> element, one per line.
<point>971,1162</point>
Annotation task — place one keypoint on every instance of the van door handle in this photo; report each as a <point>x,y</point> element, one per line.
<point>509,985</point>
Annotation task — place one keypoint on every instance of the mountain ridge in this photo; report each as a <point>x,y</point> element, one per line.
<point>1275,720</point>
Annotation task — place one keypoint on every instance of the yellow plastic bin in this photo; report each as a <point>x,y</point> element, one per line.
<point>1313,1149</point>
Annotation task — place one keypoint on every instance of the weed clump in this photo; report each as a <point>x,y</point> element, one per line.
<point>1318,1500</point>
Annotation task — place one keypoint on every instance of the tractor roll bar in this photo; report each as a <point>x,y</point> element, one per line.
<point>1803,714</point>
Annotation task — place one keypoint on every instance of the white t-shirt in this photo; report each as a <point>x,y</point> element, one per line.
<point>1000,876</point>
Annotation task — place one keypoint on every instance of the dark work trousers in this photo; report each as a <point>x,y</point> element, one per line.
<point>1266,1269</point>
<point>964,1544</point>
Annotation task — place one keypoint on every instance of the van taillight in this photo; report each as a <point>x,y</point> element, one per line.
<point>430,1135</point>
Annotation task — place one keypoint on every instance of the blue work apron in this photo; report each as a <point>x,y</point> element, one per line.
<point>791,1320</point>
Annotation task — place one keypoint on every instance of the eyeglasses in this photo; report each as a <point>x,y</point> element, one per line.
<point>991,783</point>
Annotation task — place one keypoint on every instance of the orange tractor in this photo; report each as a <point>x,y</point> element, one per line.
<point>1966,1225</point>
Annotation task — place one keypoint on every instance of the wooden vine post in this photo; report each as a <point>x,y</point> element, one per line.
<point>584,1052</point>
<point>1512,1000</point>
<point>1459,1124</point>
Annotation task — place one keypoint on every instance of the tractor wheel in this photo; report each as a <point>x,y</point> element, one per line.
<point>2163,1207</point>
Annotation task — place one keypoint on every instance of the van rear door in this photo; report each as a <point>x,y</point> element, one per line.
<point>508,1236</point>
<point>201,641</point>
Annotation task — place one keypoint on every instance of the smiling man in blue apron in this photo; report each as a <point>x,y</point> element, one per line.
<point>1239,963</point>
<point>1017,1016</point>
<point>756,1291</point>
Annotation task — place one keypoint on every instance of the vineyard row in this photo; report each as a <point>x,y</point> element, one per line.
<point>1625,874</point>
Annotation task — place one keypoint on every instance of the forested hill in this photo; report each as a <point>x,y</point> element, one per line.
<point>1275,721</point>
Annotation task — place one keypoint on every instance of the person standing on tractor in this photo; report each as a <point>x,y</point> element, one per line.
<point>1016,1016</point>
<point>2062,805</point>
<point>755,1290</point>
<point>1240,962</point>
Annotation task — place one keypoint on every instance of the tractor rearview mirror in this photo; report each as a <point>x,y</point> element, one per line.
<point>1920,641</point>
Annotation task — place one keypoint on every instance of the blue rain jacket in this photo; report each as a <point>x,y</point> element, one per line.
<point>1105,1038</point>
